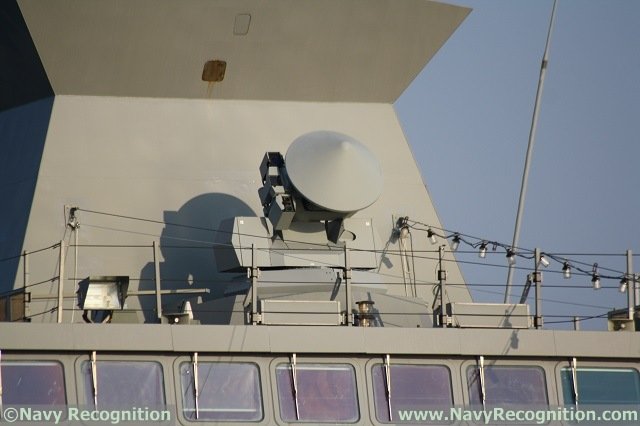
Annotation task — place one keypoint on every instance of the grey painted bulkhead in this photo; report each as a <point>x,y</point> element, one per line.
<point>326,341</point>
<point>195,163</point>
<point>134,131</point>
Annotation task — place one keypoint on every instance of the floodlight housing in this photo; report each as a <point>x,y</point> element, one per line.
<point>103,292</point>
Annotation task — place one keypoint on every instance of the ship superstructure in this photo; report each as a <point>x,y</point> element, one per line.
<point>209,210</point>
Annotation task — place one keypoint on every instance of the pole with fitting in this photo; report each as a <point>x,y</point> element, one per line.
<point>25,270</point>
<point>253,274</point>
<point>636,288</point>
<point>156,266</point>
<point>25,283</point>
<point>74,225</point>
<point>442,279</point>
<point>537,279</point>
<point>347,286</point>
<point>631,285</point>
<point>61,281</point>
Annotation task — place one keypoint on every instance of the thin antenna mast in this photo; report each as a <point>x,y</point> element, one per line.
<point>527,162</point>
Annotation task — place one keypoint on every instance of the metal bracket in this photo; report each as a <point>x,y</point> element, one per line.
<point>256,318</point>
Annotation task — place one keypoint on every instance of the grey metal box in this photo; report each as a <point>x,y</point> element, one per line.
<point>300,312</point>
<point>489,315</point>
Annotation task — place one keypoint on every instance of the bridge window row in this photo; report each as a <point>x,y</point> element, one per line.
<point>316,392</point>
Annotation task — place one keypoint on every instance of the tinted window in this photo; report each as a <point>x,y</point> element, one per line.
<point>602,386</point>
<point>508,385</point>
<point>125,384</point>
<point>413,387</point>
<point>32,383</point>
<point>326,393</point>
<point>227,391</point>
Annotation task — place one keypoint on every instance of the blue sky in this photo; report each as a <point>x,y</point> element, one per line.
<point>467,117</point>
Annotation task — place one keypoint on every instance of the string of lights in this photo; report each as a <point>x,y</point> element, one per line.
<point>511,253</point>
<point>456,237</point>
<point>482,245</point>
<point>479,245</point>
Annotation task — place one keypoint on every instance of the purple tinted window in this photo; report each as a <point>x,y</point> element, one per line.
<point>413,387</point>
<point>125,384</point>
<point>508,385</point>
<point>226,392</point>
<point>32,383</point>
<point>326,393</point>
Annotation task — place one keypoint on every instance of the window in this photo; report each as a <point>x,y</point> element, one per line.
<point>611,386</point>
<point>124,384</point>
<point>226,391</point>
<point>508,386</point>
<point>325,393</point>
<point>413,387</point>
<point>32,383</point>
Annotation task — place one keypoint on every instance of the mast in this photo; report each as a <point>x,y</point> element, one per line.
<point>527,162</point>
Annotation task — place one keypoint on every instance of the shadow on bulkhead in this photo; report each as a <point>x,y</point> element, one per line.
<point>188,258</point>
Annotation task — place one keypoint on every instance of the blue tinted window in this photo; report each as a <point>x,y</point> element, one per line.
<point>226,392</point>
<point>602,386</point>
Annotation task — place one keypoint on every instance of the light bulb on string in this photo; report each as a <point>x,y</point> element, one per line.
<point>432,236</point>
<point>543,261</point>
<point>455,242</point>
<point>623,285</point>
<point>595,278</point>
<point>483,250</point>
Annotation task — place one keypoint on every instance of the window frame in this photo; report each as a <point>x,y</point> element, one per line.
<point>562,365</point>
<point>102,357</point>
<point>179,388</point>
<point>545,367</point>
<point>360,386</point>
<point>32,358</point>
<point>450,366</point>
<point>261,362</point>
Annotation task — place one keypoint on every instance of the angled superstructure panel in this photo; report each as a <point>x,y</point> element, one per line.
<point>330,50</point>
<point>22,79</point>
<point>23,130</point>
